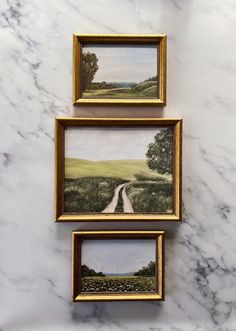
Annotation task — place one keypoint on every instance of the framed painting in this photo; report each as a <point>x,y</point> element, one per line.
<point>119,69</point>
<point>118,169</point>
<point>118,265</point>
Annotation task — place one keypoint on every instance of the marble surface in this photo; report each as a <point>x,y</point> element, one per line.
<point>36,86</point>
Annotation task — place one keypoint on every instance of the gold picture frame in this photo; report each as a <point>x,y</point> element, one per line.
<point>78,237</point>
<point>128,40</point>
<point>62,124</point>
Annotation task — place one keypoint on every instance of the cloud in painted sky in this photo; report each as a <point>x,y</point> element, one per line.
<point>118,256</point>
<point>124,63</point>
<point>108,143</point>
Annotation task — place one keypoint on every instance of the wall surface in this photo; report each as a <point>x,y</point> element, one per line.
<point>36,86</point>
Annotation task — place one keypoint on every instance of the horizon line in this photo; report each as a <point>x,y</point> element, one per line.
<point>111,160</point>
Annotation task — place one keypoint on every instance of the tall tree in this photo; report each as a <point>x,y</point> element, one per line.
<point>160,153</point>
<point>90,68</point>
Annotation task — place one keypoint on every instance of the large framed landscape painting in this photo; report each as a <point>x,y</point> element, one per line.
<point>120,69</point>
<point>118,265</point>
<point>118,169</point>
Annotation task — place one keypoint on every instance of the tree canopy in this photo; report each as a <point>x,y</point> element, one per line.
<point>152,79</point>
<point>149,270</point>
<point>89,68</point>
<point>87,272</point>
<point>160,152</point>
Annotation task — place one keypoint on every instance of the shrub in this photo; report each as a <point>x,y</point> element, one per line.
<point>118,284</point>
<point>89,194</point>
<point>147,197</point>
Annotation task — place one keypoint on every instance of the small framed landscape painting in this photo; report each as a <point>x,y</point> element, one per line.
<point>119,69</point>
<point>118,169</point>
<point>118,265</point>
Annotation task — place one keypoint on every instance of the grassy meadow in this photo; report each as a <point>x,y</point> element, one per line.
<point>146,89</point>
<point>89,194</point>
<point>89,186</point>
<point>151,196</point>
<point>126,169</point>
<point>120,284</point>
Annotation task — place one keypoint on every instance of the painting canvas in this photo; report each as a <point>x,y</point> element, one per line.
<point>115,170</point>
<point>118,266</point>
<point>120,71</point>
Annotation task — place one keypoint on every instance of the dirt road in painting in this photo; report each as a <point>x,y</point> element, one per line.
<point>127,207</point>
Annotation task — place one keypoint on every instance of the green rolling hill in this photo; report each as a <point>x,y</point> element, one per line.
<point>145,89</point>
<point>75,168</point>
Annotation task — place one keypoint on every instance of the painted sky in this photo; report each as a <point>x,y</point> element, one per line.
<point>124,63</point>
<point>97,144</point>
<point>118,256</point>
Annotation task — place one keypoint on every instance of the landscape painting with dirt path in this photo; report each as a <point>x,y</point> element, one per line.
<point>118,266</point>
<point>118,170</point>
<point>120,71</point>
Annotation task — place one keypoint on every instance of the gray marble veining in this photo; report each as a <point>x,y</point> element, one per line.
<point>36,86</point>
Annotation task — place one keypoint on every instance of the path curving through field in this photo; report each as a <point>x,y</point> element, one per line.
<point>127,207</point>
<point>110,208</point>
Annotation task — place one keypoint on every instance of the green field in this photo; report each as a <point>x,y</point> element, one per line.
<point>146,89</point>
<point>127,169</point>
<point>89,186</point>
<point>151,196</point>
<point>120,284</point>
<point>89,194</point>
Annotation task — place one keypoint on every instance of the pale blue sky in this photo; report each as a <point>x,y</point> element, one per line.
<point>124,63</point>
<point>118,256</point>
<point>108,143</point>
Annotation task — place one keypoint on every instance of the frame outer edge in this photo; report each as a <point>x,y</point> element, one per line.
<point>59,157</point>
<point>163,67</point>
<point>117,38</point>
<point>181,170</point>
<point>56,170</point>
<point>73,266</point>
<point>76,68</point>
<point>163,265</point>
<point>160,239</point>
<point>179,160</point>
<point>61,123</point>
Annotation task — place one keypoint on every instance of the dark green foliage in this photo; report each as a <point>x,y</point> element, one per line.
<point>87,272</point>
<point>89,194</point>
<point>141,177</point>
<point>150,270</point>
<point>147,89</point>
<point>90,67</point>
<point>101,85</point>
<point>143,86</point>
<point>160,153</point>
<point>147,177</point>
<point>118,284</point>
<point>119,206</point>
<point>151,196</point>
<point>152,79</point>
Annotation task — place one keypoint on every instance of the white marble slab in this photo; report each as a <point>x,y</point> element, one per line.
<point>36,86</point>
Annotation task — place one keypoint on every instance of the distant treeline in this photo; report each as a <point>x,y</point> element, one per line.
<point>151,79</point>
<point>87,272</point>
<point>147,271</point>
<point>110,85</point>
<point>100,85</point>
